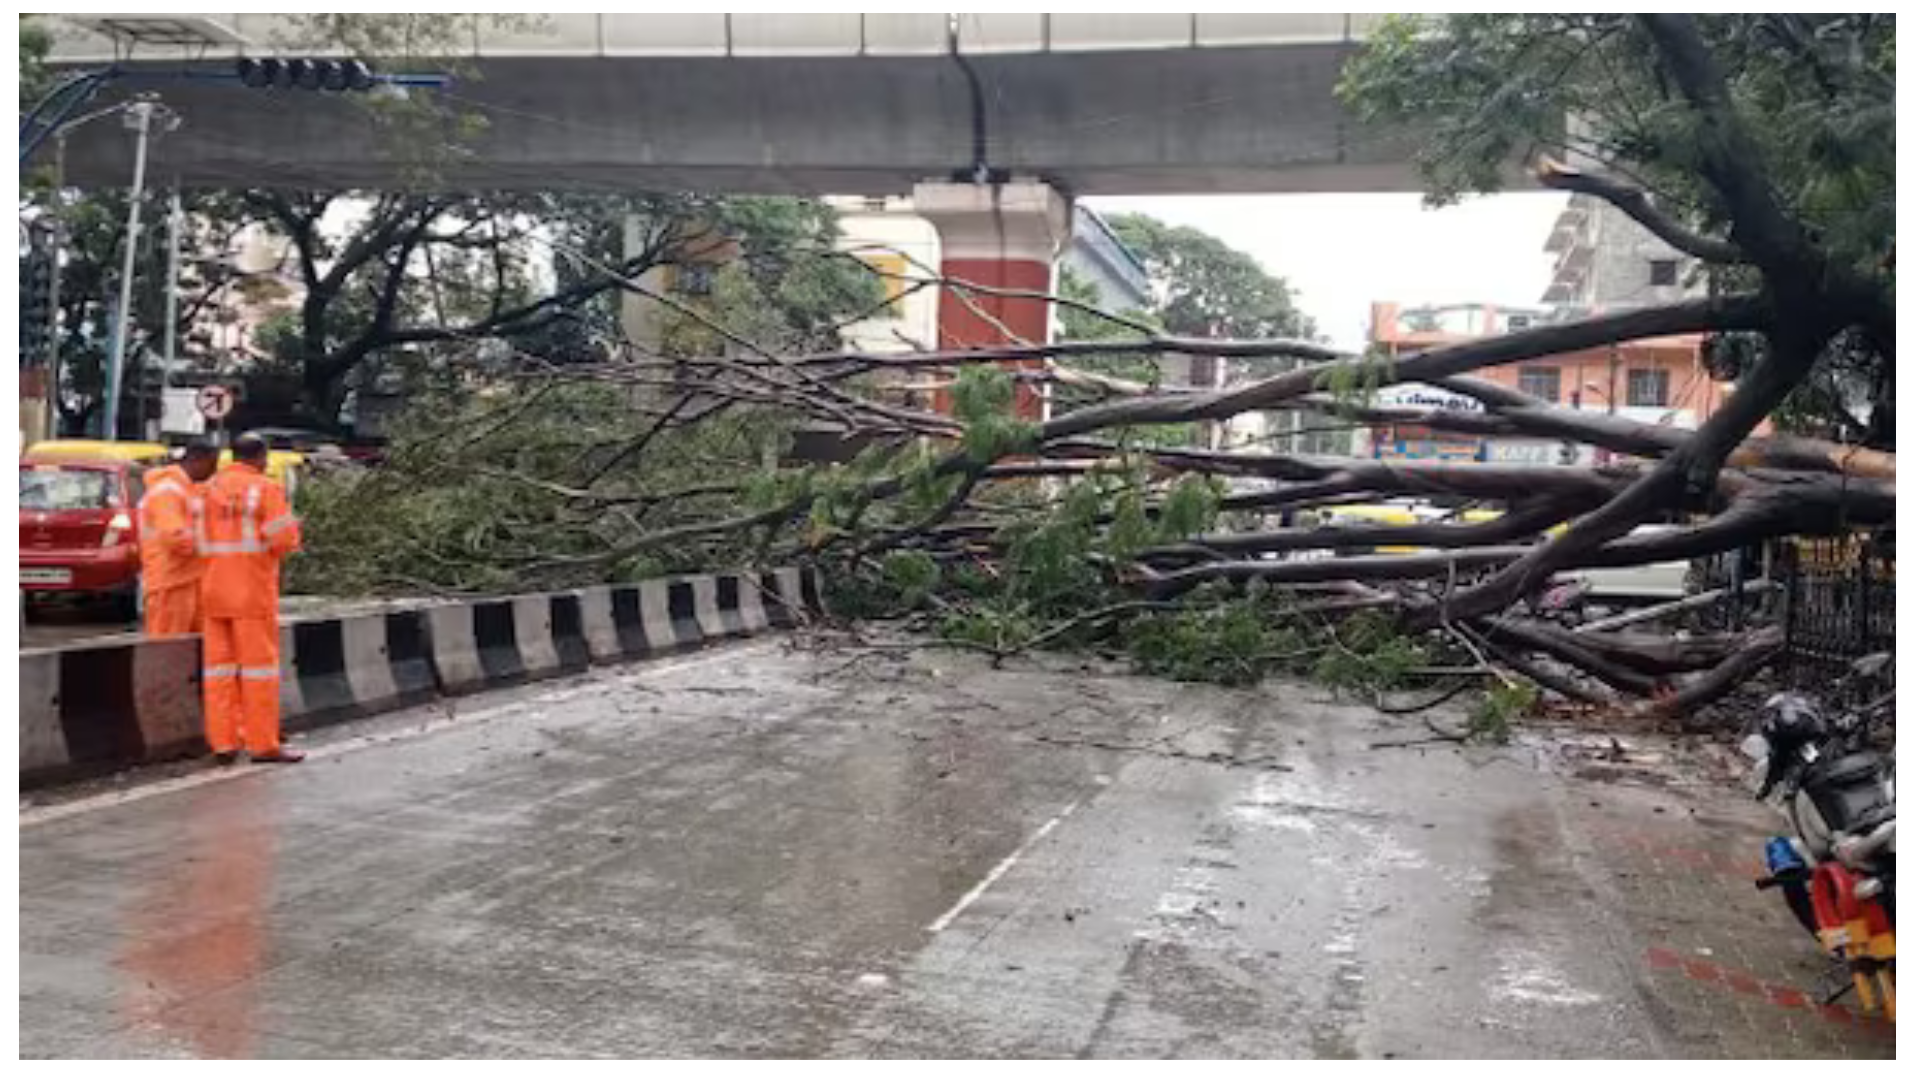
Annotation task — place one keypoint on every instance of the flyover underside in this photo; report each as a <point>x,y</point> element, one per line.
<point>1258,119</point>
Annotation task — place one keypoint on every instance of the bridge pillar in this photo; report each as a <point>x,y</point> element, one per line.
<point>999,236</point>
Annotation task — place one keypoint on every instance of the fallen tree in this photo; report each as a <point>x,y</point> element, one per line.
<point>1082,530</point>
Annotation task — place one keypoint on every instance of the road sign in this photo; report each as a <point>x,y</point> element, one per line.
<point>214,402</point>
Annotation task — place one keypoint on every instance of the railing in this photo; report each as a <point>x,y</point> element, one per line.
<point>1838,606</point>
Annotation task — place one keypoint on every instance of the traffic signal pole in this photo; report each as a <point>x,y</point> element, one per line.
<point>51,117</point>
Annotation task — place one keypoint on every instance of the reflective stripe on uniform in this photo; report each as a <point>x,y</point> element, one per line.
<point>278,525</point>
<point>220,671</point>
<point>260,672</point>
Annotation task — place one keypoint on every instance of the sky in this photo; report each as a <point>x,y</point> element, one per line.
<point>1343,252</point>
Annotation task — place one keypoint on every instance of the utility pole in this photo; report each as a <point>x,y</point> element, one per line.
<point>141,117</point>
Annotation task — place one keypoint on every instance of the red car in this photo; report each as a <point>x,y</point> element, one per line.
<point>79,530</point>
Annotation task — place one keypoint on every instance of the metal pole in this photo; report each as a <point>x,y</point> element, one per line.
<point>59,244</point>
<point>173,296</point>
<point>140,115</point>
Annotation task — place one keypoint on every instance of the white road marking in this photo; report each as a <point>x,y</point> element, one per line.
<point>999,870</point>
<point>45,814</point>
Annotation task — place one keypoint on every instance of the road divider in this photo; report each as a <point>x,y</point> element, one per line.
<point>90,709</point>
<point>340,669</point>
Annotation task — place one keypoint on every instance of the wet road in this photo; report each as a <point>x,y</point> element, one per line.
<point>768,852</point>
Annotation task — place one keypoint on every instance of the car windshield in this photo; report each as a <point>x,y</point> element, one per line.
<point>52,488</point>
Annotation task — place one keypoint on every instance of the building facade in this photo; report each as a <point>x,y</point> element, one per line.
<point>1654,381</point>
<point>1097,255</point>
<point>1606,260</point>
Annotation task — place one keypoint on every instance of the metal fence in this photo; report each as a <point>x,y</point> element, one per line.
<point>1838,603</point>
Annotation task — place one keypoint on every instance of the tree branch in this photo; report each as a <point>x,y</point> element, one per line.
<point>1636,205</point>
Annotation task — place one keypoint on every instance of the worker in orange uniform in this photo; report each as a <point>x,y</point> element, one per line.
<point>170,563</point>
<point>245,527</point>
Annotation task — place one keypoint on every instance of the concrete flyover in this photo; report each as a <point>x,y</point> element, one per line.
<point>1095,104</point>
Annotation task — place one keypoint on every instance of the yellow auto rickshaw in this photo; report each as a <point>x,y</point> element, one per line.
<point>283,466</point>
<point>1369,514</point>
<point>1482,515</point>
<point>146,453</point>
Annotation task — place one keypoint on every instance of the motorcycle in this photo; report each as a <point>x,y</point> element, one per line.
<point>1836,790</point>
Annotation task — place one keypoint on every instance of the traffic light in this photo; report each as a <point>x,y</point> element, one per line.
<point>303,73</point>
<point>36,304</point>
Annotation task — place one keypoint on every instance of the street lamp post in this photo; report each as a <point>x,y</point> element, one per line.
<point>141,117</point>
<point>50,413</point>
<point>173,298</point>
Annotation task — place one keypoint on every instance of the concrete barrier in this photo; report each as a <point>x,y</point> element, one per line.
<point>339,669</point>
<point>43,742</point>
<point>493,643</point>
<point>87,710</point>
<point>94,708</point>
<point>780,598</point>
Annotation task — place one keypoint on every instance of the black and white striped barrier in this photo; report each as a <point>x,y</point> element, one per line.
<point>653,618</point>
<point>95,708</point>
<point>489,643</point>
<point>334,669</point>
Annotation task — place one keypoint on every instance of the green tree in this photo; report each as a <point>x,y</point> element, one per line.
<point>35,43</point>
<point>1633,110</point>
<point>425,283</point>
<point>1760,144</point>
<point>1206,288</point>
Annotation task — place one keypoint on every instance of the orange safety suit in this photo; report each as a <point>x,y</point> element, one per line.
<point>244,527</point>
<point>170,562</point>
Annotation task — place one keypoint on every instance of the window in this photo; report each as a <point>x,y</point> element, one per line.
<point>49,487</point>
<point>1663,272</point>
<point>693,279</point>
<point>1519,322</point>
<point>1541,382</point>
<point>1647,388</point>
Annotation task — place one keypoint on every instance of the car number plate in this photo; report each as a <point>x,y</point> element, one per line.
<point>33,575</point>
